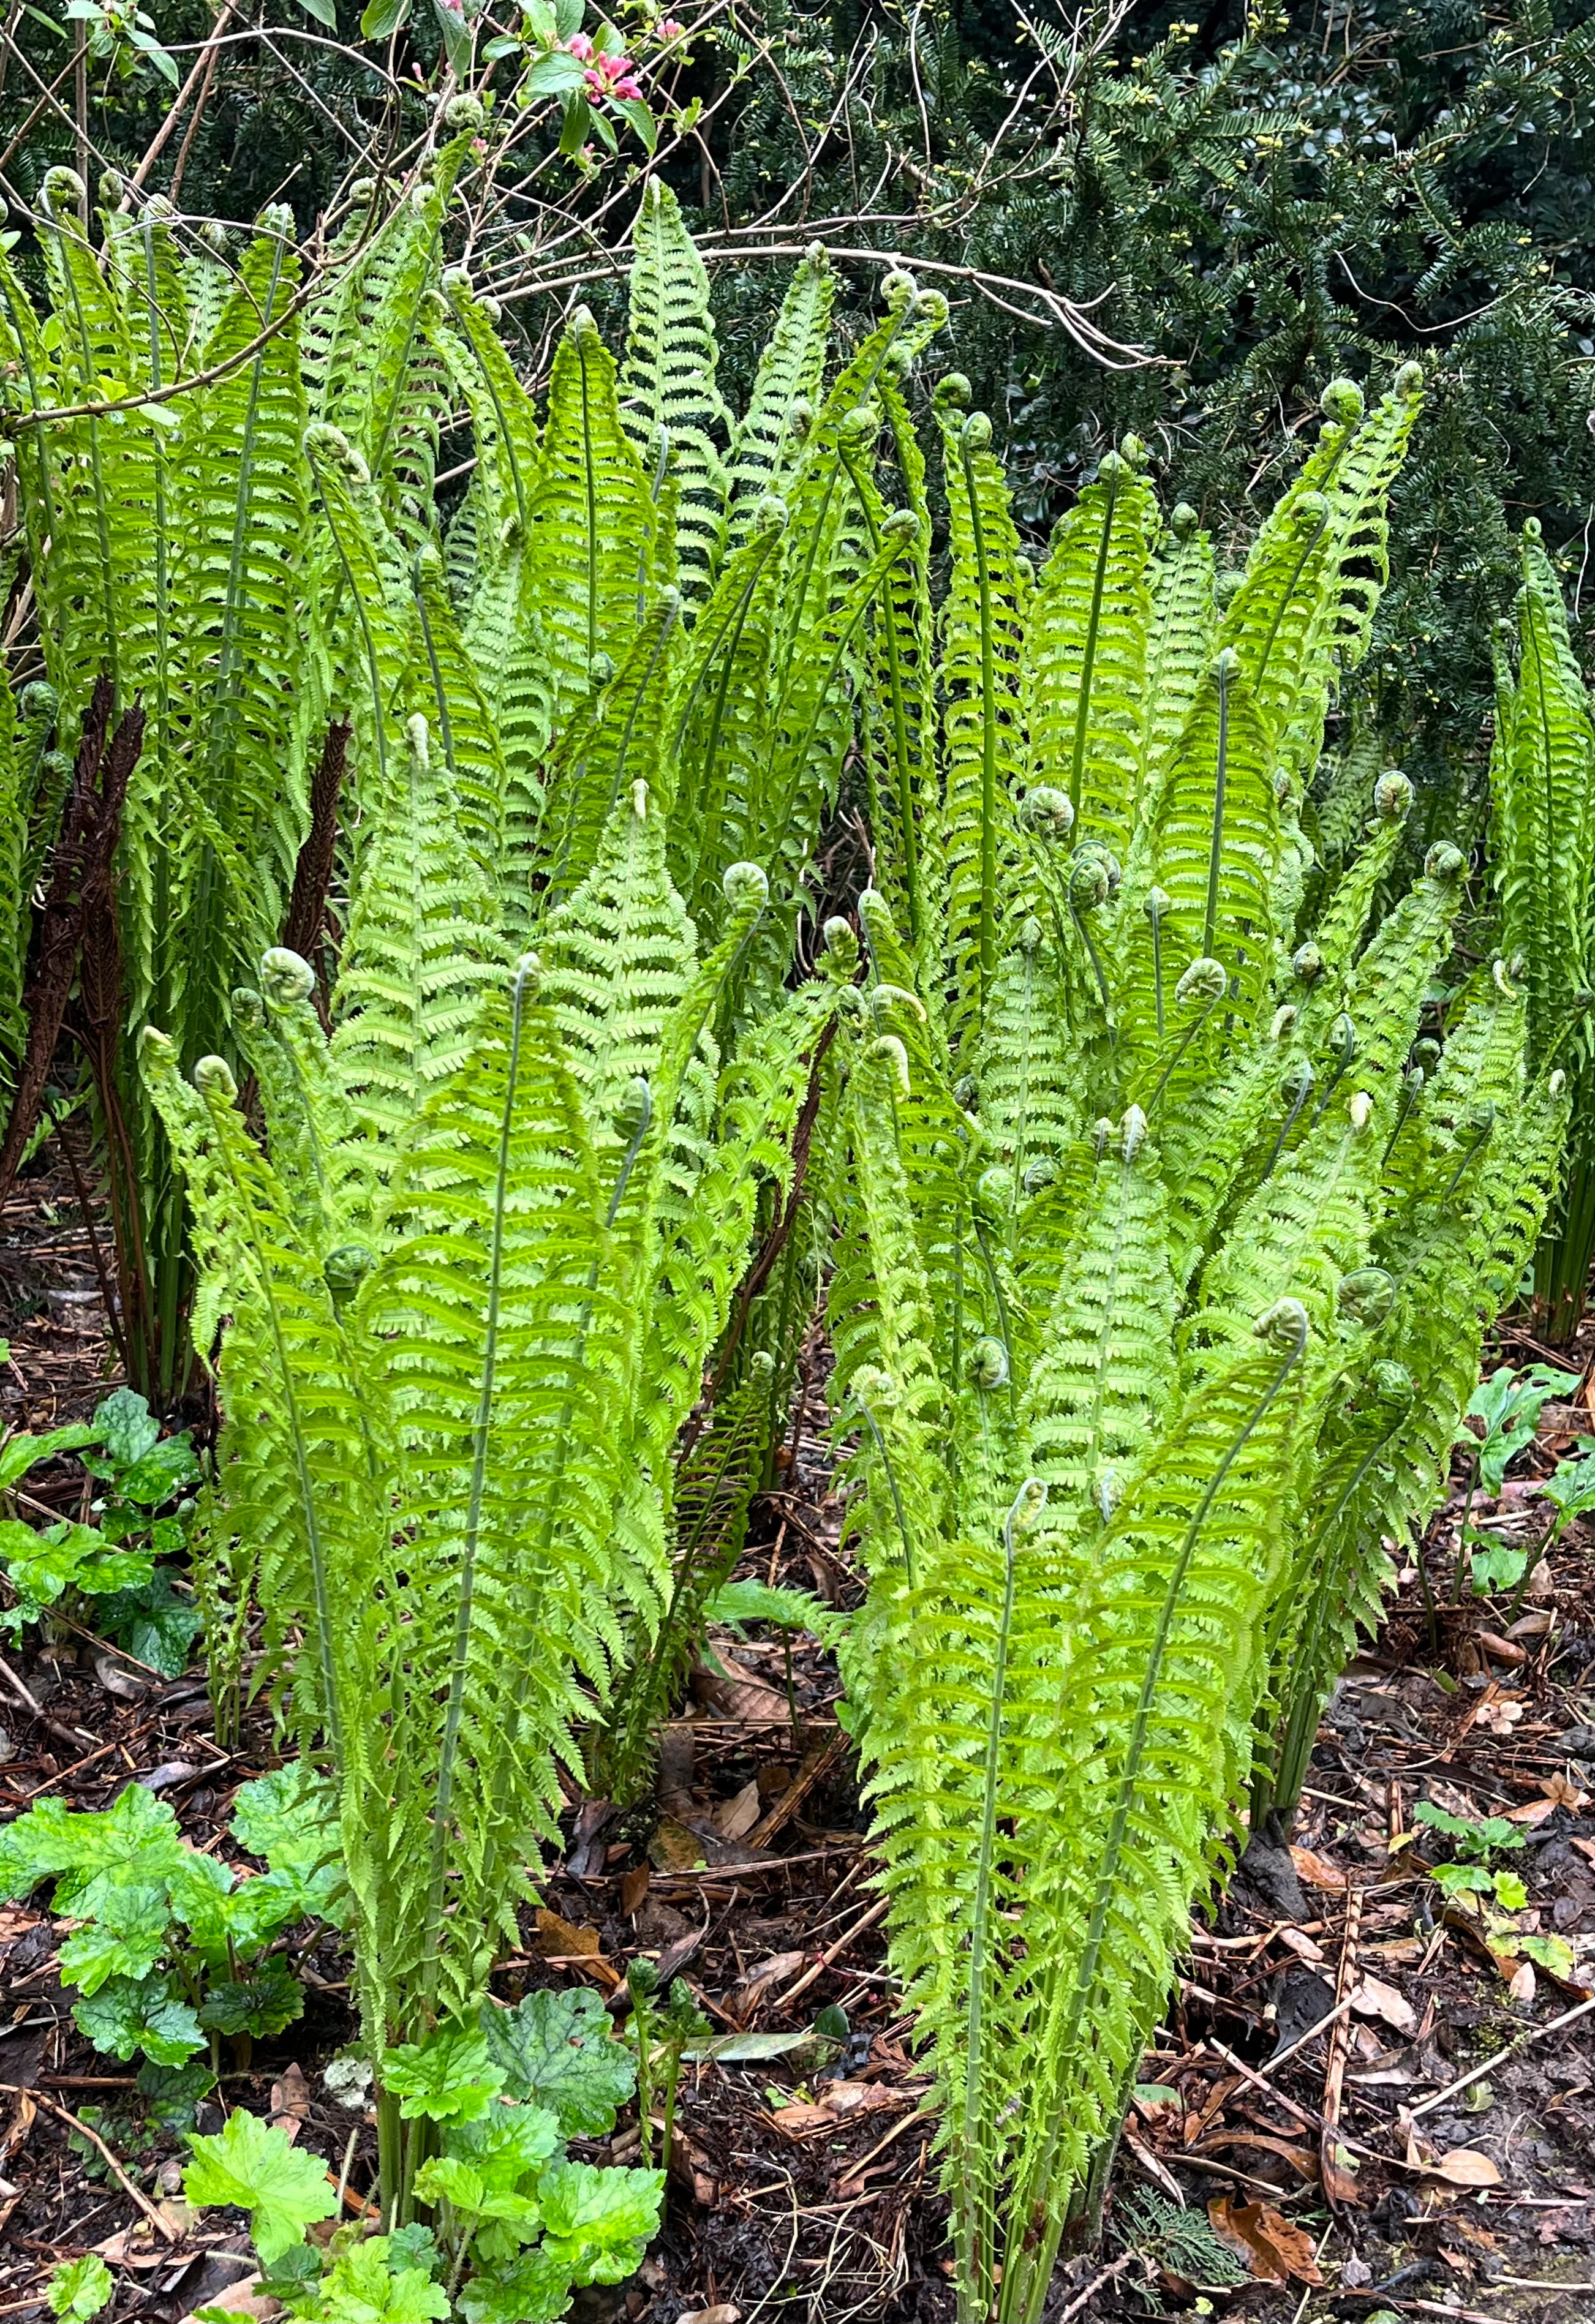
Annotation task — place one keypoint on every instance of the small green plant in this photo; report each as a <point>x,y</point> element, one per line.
<point>661,2030</point>
<point>516,2226</point>
<point>1474,1843</point>
<point>171,1950</point>
<point>104,1575</point>
<point>1509,1404</point>
<point>79,2289</point>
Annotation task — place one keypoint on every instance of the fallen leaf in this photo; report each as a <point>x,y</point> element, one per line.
<point>1532,1812</point>
<point>735,1818</point>
<point>739,1695</point>
<point>756,1984</point>
<point>1272,2248</point>
<point>1300,2159</point>
<point>1464,2166</point>
<point>1374,1998</point>
<point>1565,1794</point>
<point>1520,1984</point>
<point>725,2311</point>
<point>242,2298</point>
<point>673,1848</point>
<point>290,2103</point>
<point>803,2118</point>
<point>559,1940</point>
<point>1300,1945</point>
<point>1534,1624</point>
<point>1586,1848</point>
<point>634,1888</point>
<point>1504,1649</point>
<point>1316,1870</point>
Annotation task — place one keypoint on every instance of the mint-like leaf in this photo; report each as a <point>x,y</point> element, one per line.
<point>124,1427</point>
<point>534,2290</point>
<point>251,2165</point>
<point>153,1623</point>
<point>290,1817</point>
<point>126,1938</point>
<point>262,2003</point>
<point>367,2284</point>
<point>128,2013</point>
<point>447,2078</point>
<point>558,2051</point>
<point>597,2223</point>
<point>80,2288</point>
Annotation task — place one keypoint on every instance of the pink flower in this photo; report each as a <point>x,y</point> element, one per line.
<point>579,46</point>
<point>597,84</point>
<point>626,87</point>
<point>671,30</point>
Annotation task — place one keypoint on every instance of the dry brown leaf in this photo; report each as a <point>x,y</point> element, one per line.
<point>1505,1650</point>
<point>15,1923</point>
<point>1316,1870</point>
<point>244,2299</point>
<point>1302,1946</point>
<point>1273,2249</point>
<point>290,2103</point>
<point>1565,1794</point>
<point>1300,2159</point>
<point>739,1694</point>
<point>774,1970</point>
<point>559,1940</point>
<point>841,2100</point>
<point>1464,2166</point>
<point>1520,1984</point>
<point>673,1848</point>
<point>735,1818</point>
<point>1534,1624</point>
<point>1375,1998</point>
<point>1532,1812</point>
<point>1585,1847</point>
<point>634,1888</point>
<point>725,2311</point>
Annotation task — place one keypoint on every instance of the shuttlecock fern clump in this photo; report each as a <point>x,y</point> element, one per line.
<point>455,1357</point>
<point>1161,1286</point>
<point>638,584</point>
<point>1542,841</point>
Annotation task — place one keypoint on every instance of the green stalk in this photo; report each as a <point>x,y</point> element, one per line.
<point>1216,854</point>
<point>988,950</point>
<point>1088,661</point>
<point>473,1529</point>
<point>974,2192</point>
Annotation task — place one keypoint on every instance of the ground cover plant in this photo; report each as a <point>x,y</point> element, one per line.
<point>1160,1158</point>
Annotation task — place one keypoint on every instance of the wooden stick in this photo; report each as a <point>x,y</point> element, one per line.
<point>797,1792</point>
<point>828,1959</point>
<point>1535,2033</point>
<point>157,2219</point>
<point>1340,2189</point>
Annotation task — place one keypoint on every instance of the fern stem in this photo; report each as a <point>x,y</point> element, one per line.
<point>1216,854</point>
<point>1088,657</point>
<point>988,946</point>
<point>449,1750</point>
<point>975,2288</point>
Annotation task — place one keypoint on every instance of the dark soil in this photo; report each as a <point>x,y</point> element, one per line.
<point>812,2199</point>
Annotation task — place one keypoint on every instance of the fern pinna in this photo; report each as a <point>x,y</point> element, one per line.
<point>1162,1281</point>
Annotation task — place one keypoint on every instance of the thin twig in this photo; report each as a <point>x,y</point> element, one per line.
<point>1523,2041</point>
<point>157,2218</point>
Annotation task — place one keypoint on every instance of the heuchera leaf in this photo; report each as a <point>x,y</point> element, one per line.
<point>126,1938</point>
<point>262,2003</point>
<point>131,2013</point>
<point>124,1427</point>
<point>557,2050</point>
<point>447,2078</point>
<point>597,2223</point>
<point>289,1818</point>
<point>365,2286</point>
<point>153,1623</point>
<point>80,2288</point>
<point>252,2164</point>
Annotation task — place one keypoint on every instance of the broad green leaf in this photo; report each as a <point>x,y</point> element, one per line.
<point>535,2290</point>
<point>161,1474</point>
<point>251,2165</point>
<point>597,2223</point>
<point>261,2003</point>
<point>132,2014</point>
<point>152,1623</point>
<point>79,2289</point>
<point>20,1454</point>
<point>126,1938</point>
<point>124,1427</point>
<point>558,2051</point>
<point>447,2078</point>
<point>289,1818</point>
<point>364,2286</point>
